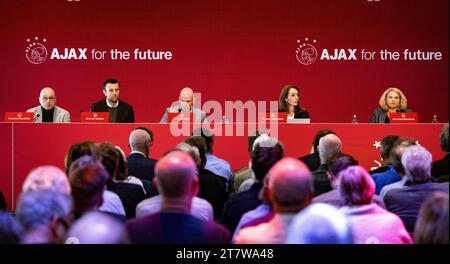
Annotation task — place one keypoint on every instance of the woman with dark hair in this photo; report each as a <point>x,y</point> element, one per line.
<point>289,103</point>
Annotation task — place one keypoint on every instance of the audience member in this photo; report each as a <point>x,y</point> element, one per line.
<point>440,169</point>
<point>371,224</point>
<point>177,181</point>
<point>263,158</point>
<point>290,189</point>
<point>88,180</point>
<point>11,231</point>
<point>432,222</point>
<point>111,201</point>
<point>396,171</point>
<point>213,188</point>
<point>243,174</point>
<point>214,164</point>
<point>97,228</point>
<point>312,160</point>
<point>385,149</point>
<point>320,224</point>
<point>139,165</point>
<point>329,146</point>
<point>45,216</point>
<point>130,194</point>
<point>406,202</point>
<point>200,207</point>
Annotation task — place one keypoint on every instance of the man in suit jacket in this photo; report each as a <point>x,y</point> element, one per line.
<point>119,111</point>
<point>185,104</point>
<point>139,165</point>
<point>48,111</point>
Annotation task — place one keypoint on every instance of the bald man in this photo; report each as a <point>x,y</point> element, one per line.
<point>177,181</point>
<point>185,104</point>
<point>48,112</point>
<point>290,189</point>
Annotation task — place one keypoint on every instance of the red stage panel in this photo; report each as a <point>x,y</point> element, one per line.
<point>42,144</point>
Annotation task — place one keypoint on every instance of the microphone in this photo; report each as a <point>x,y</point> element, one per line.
<point>81,111</point>
<point>179,109</point>
<point>34,119</point>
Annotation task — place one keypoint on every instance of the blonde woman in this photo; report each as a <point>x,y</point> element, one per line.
<point>392,101</point>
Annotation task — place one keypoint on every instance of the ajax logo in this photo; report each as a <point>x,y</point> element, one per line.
<point>36,52</point>
<point>306,53</point>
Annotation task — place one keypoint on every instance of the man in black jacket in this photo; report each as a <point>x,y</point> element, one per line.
<point>119,111</point>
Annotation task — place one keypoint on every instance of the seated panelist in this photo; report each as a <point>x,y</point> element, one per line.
<point>185,104</point>
<point>47,111</point>
<point>119,111</point>
<point>289,102</point>
<point>391,101</point>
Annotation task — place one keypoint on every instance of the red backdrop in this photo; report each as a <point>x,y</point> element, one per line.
<point>228,50</point>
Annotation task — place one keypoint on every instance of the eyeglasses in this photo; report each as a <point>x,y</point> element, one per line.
<point>48,98</point>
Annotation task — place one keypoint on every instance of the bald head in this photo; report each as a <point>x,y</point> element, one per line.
<point>186,99</point>
<point>290,185</point>
<point>47,177</point>
<point>140,141</point>
<point>175,175</point>
<point>47,98</point>
<point>329,146</point>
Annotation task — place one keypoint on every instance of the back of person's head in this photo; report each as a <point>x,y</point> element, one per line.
<point>396,153</point>
<point>149,132</point>
<point>320,134</point>
<point>42,208</point>
<point>417,162</point>
<point>251,139</point>
<point>109,158</point>
<point>386,145</point>
<point>329,146</point>
<point>341,162</point>
<point>88,179</point>
<point>139,140</point>
<point>11,231</point>
<point>176,175</point>
<point>266,152</point>
<point>97,228</point>
<point>432,222</point>
<point>208,135</point>
<point>356,186</point>
<point>78,150</point>
<point>47,177</point>
<point>320,223</point>
<point>290,185</point>
<point>443,136</point>
<point>191,151</point>
<point>200,143</point>
<point>122,165</point>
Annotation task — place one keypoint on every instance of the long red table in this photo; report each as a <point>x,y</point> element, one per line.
<point>28,145</point>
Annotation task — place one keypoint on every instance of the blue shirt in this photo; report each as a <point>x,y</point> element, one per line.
<point>218,166</point>
<point>385,178</point>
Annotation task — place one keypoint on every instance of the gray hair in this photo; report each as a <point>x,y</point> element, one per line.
<point>47,177</point>
<point>97,228</point>
<point>329,146</point>
<point>417,162</point>
<point>37,208</point>
<point>320,224</point>
<point>138,139</point>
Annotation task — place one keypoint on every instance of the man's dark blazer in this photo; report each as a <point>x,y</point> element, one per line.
<point>124,110</point>
<point>311,160</point>
<point>379,115</point>
<point>141,167</point>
